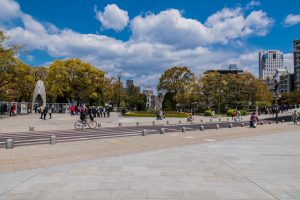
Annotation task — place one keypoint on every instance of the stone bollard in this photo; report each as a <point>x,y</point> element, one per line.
<point>227,119</point>
<point>201,120</point>
<point>210,120</point>
<point>219,119</point>
<point>144,133</point>
<point>241,118</point>
<point>9,144</point>
<point>52,139</point>
<point>282,121</point>
<point>179,122</point>
<point>31,128</point>
<point>230,125</point>
<point>120,124</point>
<point>168,122</point>
<point>137,123</point>
<point>99,125</point>
<point>183,129</point>
<point>162,131</point>
<point>217,126</point>
<point>242,124</point>
<point>270,122</point>
<point>261,122</point>
<point>153,122</point>
<point>201,128</point>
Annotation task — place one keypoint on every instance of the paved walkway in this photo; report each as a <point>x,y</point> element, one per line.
<point>239,163</point>
<point>21,123</point>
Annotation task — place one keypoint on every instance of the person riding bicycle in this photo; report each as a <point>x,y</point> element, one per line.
<point>90,113</point>
<point>82,113</point>
<point>190,117</point>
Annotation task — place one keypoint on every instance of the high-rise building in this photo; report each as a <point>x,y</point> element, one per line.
<point>269,61</point>
<point>129,83</point>
<point>284,81</point>
<point>297,64</point>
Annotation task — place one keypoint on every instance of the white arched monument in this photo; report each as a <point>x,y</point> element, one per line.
<point>39,94</point>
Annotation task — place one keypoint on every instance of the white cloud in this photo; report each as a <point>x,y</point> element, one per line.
<point>253,4</point>
<point>292,20</point>
<point>113,17</point>
<point>158,42</point>
<point>9,9</point>
<point>170,27</point>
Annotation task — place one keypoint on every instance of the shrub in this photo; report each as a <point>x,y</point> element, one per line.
<point>208,113</point>
<point>244,112</point>
<point>151,114</point>
<point>230,112</point>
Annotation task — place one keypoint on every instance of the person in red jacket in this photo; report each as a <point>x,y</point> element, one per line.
<point>12,110</point>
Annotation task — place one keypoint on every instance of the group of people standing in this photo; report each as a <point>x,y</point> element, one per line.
<point>44,111</point>
<point>91,111</point>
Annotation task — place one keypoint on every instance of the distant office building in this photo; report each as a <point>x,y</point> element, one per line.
<point>233,69</point>
<point>129,83</point>
<point>284,81</point>
<point>269,61</point>
<point>297,64</point>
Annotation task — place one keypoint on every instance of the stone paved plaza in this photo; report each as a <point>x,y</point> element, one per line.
<point>65,121</point>
<point>239,163</point>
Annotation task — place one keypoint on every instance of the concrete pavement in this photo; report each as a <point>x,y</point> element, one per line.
<point>262,164</point>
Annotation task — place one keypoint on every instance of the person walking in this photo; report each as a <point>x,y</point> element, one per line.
<point>41,110</point>
<point>45,112</point>
<point>238,115</point>
<point>295,117</point>
<point>50,112</point>
<point>12,110</point>
<point>107,112</point>
<point>104,112</point>
<point>254,119</point>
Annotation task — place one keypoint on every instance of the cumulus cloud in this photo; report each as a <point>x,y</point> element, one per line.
<point>158,41</point>
<point>113,17</point>
<point>170,27</point>
<point>292,20</point>
<point>9,9</point>
<point>252,4</point>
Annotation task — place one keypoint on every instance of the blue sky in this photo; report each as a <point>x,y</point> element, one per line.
<point>143,38</point>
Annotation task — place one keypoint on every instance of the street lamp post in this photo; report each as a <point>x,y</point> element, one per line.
<point>119,95</point>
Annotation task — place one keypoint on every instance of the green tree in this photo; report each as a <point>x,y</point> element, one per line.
<point>73,79</point>
<point>134,99</point>
<point>169,103</point>
<point>114,91</point>
<point>175,81</point>
<point>8,67</point>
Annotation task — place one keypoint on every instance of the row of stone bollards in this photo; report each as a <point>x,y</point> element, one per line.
<point>120,124</point>
<point>9,143</point>
<point>202,128</point>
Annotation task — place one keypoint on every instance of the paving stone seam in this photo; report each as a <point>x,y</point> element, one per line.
<point>242,174</point>
<point>27,179</point>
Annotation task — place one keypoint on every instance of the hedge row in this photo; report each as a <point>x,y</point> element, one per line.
<point>173,115</point>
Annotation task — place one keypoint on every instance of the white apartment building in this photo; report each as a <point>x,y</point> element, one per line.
<point>269,61</point>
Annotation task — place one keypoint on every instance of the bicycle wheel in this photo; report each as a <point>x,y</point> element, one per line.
<point>93,124</point>
<point>78,125</point>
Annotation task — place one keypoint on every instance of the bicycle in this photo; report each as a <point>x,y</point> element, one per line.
<point>80,124</point>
